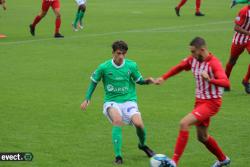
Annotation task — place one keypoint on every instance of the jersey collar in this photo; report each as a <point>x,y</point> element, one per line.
<point>116,66</point>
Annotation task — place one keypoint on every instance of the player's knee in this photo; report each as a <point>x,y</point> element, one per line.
<point>184,125</point>
<point>139,125</point>
<point>202,138</point>
<point>117,122</point>
<point>42,14</point>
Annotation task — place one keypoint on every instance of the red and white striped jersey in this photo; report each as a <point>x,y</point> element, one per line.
<point>204,89</point>
<point>243,20</point>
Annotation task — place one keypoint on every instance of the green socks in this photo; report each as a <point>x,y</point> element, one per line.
<point>141,133</point>
<point>79,17</point>
<point>117,140</point>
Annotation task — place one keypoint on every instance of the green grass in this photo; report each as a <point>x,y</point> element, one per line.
<point>43,81</point>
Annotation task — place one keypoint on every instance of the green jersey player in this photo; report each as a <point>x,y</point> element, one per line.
<point>119,76</point>
<point>78,22</point>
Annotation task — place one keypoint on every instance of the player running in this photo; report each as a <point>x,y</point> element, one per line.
<point>182,2</point>
<point>46,4</point>
<point>3,3</point>
<point>79,15</point>
<point>240,43</point>
<point>210,79</point>
<point>119,76</point>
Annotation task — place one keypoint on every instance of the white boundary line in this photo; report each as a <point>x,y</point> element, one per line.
<point>151,30</point>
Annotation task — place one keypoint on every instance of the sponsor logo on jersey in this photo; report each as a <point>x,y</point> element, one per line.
<point>111,88</point>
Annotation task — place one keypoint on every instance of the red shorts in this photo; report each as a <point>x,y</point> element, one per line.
<point>49,3</point>
<point>204,109</point>
<point>236,50</point>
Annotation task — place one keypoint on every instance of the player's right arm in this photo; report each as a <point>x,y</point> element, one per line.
<point>95,78</point>
<point>239,21</point>
<point>183,65</point>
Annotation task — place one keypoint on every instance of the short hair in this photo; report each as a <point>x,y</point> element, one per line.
<point>198,42</point>
<point>121,45</point>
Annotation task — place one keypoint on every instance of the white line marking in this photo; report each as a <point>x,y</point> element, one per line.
<point>152,30</point>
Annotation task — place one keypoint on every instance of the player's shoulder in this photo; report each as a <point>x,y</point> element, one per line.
<point>131,63</point>
<point>189,59</point>
<point>215,61</point>
<point>105,64</point>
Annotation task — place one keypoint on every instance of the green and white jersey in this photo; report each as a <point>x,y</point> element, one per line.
<point>118,81</point>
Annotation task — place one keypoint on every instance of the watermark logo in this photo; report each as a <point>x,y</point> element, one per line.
<point>16,156</point>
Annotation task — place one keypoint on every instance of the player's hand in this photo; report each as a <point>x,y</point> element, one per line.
<point>84,104</point>
<point>205,76</point>
<point>150,80</point>
<point>159,81</point>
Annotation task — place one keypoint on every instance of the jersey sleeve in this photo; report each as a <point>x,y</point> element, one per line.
<point>97,74</point>
<point>220,78</point>
<point>241,17</point>
<point>185,64</point>
<point>135,73</point>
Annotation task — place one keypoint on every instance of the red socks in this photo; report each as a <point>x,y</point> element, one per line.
<point>57,24</point>
<point>229,68</point>
<point>37,19</point>
<point>180,145</point>
<point>247,77</point>
<point>213,147</point>
<point>181,3</point>
<point>198,5</point>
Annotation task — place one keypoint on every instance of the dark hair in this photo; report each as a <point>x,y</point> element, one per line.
<point>198,42</point>
<point>121,45</point>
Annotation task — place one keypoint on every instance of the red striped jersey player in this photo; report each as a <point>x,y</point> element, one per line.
<point>210,79</point>
<point>240,43</point>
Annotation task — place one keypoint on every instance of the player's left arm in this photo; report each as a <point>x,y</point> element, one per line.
<point>220,78</point>
<point>138,78</point>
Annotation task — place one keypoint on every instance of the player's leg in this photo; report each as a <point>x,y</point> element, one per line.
<point>45,8</point>
<point>245,81</point>
<point>178,7</point>
<point>56,9</point>
<point>82,13</point>
<point>211,144</point>
<point>183,136</point>
<point>198,5</point>
<point>113,113</point>
<point>141,133</point>
<point>236,51</point>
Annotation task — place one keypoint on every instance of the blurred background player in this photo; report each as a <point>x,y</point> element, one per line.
<point>210,80</point>
<point>241,42</point>
<point>182,2</point>
<point>3,3</point>
<point>46,4</point>
<point>119,76</point>
<point>78,22</point>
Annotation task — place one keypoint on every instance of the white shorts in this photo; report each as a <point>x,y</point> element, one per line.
<point>80,2</point>
<point>127,110</point>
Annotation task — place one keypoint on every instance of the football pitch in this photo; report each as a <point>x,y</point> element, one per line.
<point>43,82</point>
